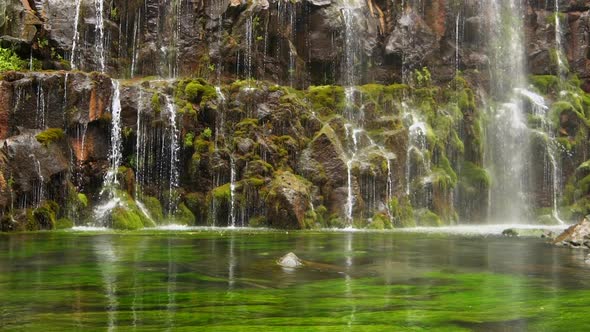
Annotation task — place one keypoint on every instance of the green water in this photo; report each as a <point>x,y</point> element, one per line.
<point>229,281</point>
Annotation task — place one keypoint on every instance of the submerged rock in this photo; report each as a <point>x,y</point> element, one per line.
<point>526,232</point>
<point>290,260</point>
<point>576,236</point>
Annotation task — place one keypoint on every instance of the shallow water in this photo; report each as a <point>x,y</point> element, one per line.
<point>222,280</point>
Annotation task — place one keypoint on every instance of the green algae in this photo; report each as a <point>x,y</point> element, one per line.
<point>185,282</point>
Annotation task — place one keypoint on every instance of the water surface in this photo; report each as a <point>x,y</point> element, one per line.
<point>220,280</point>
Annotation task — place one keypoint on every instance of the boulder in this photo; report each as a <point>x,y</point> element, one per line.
<point>290,260</point>
<point>576,236</point>
<point>30,161</point>
<point>288,200</point>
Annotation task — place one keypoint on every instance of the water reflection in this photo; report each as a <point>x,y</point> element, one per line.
<point>171,289</point>
<point>107,258</point>
<point>111,282</point>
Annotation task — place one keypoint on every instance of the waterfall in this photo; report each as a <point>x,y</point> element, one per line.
<point>457,41</point>
<point>416,144</point>
<point>76,36</point>
<point>561,65</point>
<point>115,155</point>
<point>349,78</point>
<point>232,193</point>
<point>100,35</point>
<point>136,33</point>
<point>140,148</point>
<point>508,142</point>
<point>110,182</point>
<point>249,43</point>
<point>39,194</point>
<point>552,167</point>
<point>173,137</point>
<point>40,116</point>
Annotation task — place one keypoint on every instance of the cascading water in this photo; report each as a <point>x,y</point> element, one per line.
<point>110,182</point>
<point>552,167</point>
<point>41,109</point>
<point>416,144</point>
<point>173,137</point>
<point>100,35</point>
<point>232,193</point>
<point>76,37</point>
<point>508,143</point>
<point>349,77</point>
<point>559,51</point>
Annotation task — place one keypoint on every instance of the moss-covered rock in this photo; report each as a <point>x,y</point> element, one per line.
<point>183,216</point>
<point>50,135</point>
<point>287,202</point>
<point>427,218</point>
<point>402,212</point>
<point>154,208</point>
<point>126,219</point>
<point>64,223</point>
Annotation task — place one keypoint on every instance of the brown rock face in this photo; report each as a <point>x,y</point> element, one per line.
<point>576,236</point>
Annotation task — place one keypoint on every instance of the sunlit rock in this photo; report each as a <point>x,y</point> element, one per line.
<point>290,260</point>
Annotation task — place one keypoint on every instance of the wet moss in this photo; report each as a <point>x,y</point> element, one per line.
<point>427,218</point>
<point>49,136</point>
<point>380,221</point>
<point>154,208</point>
<point>44,217</point>
<point>125,219</point>
<point>545,83</point>
<point>155,103</point>
<point>198,92</point>
<point>183,216</point>
<point>402,212</point>
<point>64,223</point>
<point>327,99</point>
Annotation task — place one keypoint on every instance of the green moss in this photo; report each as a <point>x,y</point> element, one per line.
<point>473,176</point>
<point>154,207</point>
<point>50,135</point>
<point>156,107</point>
<point>199,93</point>
<point>64,223</point>
<point>188,140</point>
<point>44,217</point>
<point>427,218</point>
<point>545,83</point>
<point>327,99</point>
<point>10,61</point>
<point>125,219</point>
<point>380,221</point>
<point>82,199</point>
<point>183,216</point>
<point>402,212</point>
<point>222,193</point>
<point>245,127</point>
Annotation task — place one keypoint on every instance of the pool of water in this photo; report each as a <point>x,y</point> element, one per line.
<point>222,280</point>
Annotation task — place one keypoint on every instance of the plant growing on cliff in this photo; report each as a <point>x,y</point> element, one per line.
<point>10,61</point>
<point>207,133</point>
<point>49,136</point>
<point>422,77</point>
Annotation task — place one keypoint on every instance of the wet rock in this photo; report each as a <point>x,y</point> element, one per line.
<point>576,236</point>
<point>288,200</point>
<point>30,161</point>
<point>415,49</point>
<point>290,260</point>
<point>526,232</point>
